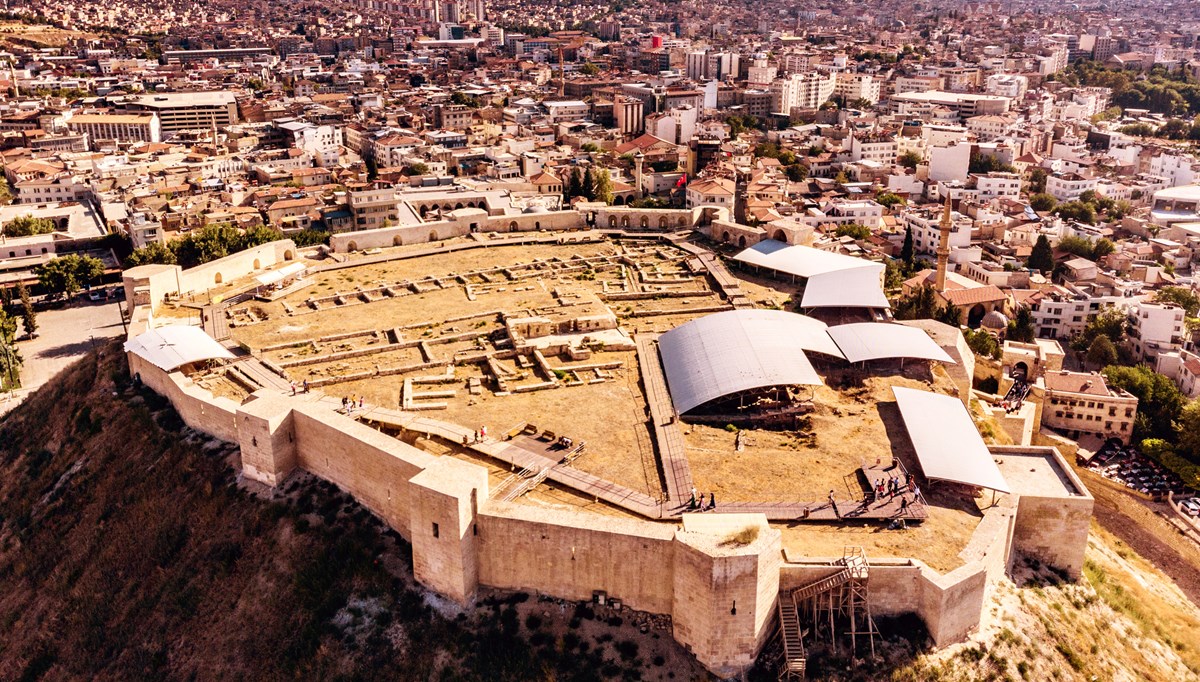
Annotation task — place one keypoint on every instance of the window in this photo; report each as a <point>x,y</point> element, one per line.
<point>435,530</point>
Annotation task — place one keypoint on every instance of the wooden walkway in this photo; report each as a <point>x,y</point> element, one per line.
<point>727,283</point>
<point>521,458</point>
<point>668,437</point>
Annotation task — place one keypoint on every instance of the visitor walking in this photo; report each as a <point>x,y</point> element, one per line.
<point>712,500</point>
<point>306,385</point>
<point>293,385</point>
<point>833,504</point>
<point>360,402</point>
<point>692,500</point>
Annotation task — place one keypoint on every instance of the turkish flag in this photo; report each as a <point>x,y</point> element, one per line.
<point>681,181</point>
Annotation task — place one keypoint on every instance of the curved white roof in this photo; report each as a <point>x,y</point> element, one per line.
<point>948,445</point>
<point>174,346</point>
<point>802,261</point>
<point>738,350</point>
<point>854,288</point>
<point>877,340</point>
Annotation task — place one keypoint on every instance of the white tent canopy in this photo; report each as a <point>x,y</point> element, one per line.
<point>878,340</point>
<point>276,276</point>
<point>171,347</point>
<point>853,288</point>
<point>834,279</point>
<point>948,445</point>
<point>739,350</point>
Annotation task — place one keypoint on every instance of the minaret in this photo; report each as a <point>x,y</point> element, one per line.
<point>638,160</point>
<point>943,249</point>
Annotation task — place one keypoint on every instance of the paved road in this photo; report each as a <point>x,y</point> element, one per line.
<point>64,336</point>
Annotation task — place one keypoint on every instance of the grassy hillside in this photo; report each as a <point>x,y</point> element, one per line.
<point>127,552</point>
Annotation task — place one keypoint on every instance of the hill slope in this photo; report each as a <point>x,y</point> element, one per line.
<point>128,552</point>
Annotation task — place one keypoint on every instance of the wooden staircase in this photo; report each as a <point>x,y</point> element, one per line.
<point>794,660</point>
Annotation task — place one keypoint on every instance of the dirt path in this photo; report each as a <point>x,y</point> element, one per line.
<point>1133,521</point>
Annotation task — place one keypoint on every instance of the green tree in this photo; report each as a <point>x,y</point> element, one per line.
<point>65,275</point>
<point>1179,296</point>
<point>10,359</point>
<point>1101,352</point>
<point>416,168</point>
<point>854,230</point>
<point>986,163</point>
<point>1078,211</point>
<point>154,252</point>
<point>588,187</point>
<point>574,186</point>
<point>797,172</point>
<point>1037,181</point>
<point>28,315</point>
<point>602,187</point>
<point>27,225</point>
<point>1103,247</point>
<point>1042,202</point>
<point>6,195</point>
<point>1021,327</point>
<point>1160,402</point>
<point>1189,431</point>
<point>907,250</point>
<point>1109,322</point>
<point>888,199</point>
<point>982,343</point>
<point>919,304</point>
<point>589,69</point>
<point>1041,258</point>
<point>909,159</point>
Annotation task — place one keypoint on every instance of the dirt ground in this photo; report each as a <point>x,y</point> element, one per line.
<point>854,423</point>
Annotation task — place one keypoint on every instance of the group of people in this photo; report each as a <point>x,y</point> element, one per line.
<point>348,404</point>
<point>476,437</point>
<point>698,504</point>
<point>294,386</point>
<point>893,487</point>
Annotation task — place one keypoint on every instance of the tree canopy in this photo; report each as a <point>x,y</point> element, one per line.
<point>65,275</point>
<point>1041,258</point>
<point>27,225</point>
<point>1160,401</point>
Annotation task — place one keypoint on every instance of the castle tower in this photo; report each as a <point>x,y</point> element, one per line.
<point>943,249</point>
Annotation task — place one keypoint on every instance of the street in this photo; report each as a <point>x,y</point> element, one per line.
<point>63,337</point>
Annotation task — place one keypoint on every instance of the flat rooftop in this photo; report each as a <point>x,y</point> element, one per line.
<point>1037,472</point>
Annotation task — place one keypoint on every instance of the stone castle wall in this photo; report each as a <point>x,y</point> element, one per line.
<point>721,597</point>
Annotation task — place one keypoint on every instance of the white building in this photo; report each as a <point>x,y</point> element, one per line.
<point>1155,328</point>
<point>1068,186</point>
<point>950,163</point>
<point>854,86</point>
<point>926,229</point>
<point>801,91</point>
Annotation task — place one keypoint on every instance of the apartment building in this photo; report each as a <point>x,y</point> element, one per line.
<point>1155,328</point>
<point>852,86</point>
<point>374,208</point>
<point>1077,404</point>
<point>116,127</point>
<point>926,228</point>
<point>1068,186</point>
<point>801,91</point>
<point>186,110</point>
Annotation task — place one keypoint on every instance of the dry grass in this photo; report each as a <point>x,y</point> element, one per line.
<point>742,537</point>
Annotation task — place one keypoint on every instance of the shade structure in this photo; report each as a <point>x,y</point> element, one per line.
<point>947,443</point>
<point>864,341</point>
<point>739,350</point>
<point>834,279</point>
<point>276,276</point>
<point>173,346</point>
<point>852,288</point>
